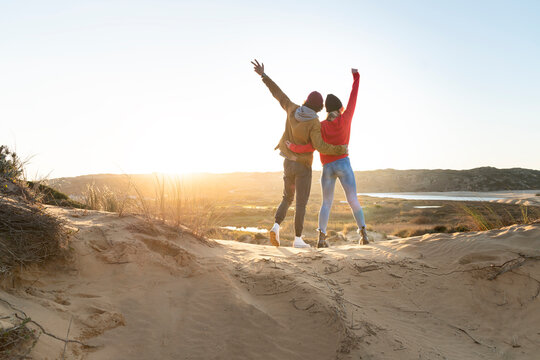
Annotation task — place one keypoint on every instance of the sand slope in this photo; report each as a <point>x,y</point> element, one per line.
<point>139,293</point>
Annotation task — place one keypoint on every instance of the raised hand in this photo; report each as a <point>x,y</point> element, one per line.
<point>258,68</point>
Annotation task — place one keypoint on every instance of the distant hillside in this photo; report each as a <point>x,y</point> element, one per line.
<point>479,179</point>
<point>389,180</point>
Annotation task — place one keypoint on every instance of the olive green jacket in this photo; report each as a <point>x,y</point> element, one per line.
<point>300,132</point>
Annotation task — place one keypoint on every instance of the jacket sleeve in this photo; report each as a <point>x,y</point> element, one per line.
<point>351,105</point>
<point>322,147</point>
<point>280,96</point>
<point>302,148</point>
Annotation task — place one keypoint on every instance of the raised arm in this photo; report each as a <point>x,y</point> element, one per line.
<point>323,147</point>
<point>280,96</point>
<point>351,105</point>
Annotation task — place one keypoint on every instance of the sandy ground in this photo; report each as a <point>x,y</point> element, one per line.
<point>133,292</point>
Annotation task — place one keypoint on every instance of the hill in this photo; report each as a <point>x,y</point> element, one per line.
<point>389,180</point>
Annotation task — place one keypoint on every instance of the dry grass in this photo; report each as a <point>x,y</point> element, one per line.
<point>16,342</point>
<point>103,198</point>
<point>181,204</point>
<point>488,217</point>
<point>169,200</point>
<point>28,235</point>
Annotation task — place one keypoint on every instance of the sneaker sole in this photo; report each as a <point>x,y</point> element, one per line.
<point>273,239</point>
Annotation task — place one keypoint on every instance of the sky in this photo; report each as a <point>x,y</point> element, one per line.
<point>167,86</point>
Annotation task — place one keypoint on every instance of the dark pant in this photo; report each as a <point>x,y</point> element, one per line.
<point>296,177</point>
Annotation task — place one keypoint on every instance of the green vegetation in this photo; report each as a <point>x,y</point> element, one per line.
<point>17,341</point>
<point>11,166</point>
<point>48,195</point>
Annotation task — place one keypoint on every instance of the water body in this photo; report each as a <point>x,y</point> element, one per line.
<point>246,229</point>
<point>455,195</point>
<point>428,207</point>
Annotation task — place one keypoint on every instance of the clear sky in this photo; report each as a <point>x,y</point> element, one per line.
<point>167,86</point>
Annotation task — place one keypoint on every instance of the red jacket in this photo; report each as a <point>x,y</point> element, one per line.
<point>337,131</point>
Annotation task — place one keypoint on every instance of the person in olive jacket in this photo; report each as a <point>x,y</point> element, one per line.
<point>301,127</point>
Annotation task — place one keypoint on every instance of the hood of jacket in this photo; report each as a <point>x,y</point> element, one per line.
<point>303,113</point>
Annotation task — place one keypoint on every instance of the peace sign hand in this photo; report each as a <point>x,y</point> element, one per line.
<point>258,68</point>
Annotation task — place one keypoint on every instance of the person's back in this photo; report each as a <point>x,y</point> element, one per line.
<point>338,130</point>
<point>303,127</point>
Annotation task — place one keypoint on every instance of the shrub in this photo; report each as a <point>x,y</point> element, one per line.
<point>16,342</point>
<point>28,235</point>
<point>259,236</point>
<point>48,195</point>
<point>11,167</point>
<point>421,220</point>
<point>439,229</point>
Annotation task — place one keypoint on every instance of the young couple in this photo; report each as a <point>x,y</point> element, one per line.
<point>303,135</point>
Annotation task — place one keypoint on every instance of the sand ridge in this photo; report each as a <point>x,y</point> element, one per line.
<point>135,291</point>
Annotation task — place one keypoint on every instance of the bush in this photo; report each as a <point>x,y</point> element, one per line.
<point>439,229</point>
<point>48,195</point>
<point>16,342</point>
<point>421,220</point>
<point>11,167</point>
<point>28,235</point>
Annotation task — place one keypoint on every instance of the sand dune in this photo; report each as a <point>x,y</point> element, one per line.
<point>136,292</point>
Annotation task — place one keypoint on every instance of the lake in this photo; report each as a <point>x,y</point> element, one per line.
<point>456,195</point>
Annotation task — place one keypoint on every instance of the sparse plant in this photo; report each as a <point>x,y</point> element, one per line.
<point>478,218</point>
<point>525,214</point>
<point>349,228</point>
<point>17,341</point>
<point>28,235</point>
<point>11,166</point>
<point>178,205</point>
<point>91,197</point>
<point>96,198</point>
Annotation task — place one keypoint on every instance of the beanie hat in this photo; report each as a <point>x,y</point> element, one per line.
<point>314,101</point>
<point>332,103</point>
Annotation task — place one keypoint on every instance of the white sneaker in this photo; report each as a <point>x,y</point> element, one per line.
<point>299,243</point>
<point>274,235</point>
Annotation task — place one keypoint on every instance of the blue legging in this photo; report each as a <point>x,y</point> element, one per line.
<point>339,169</point>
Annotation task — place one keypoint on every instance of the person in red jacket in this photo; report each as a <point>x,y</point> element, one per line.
<point>336,129</point>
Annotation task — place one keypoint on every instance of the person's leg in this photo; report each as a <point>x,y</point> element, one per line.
<point>303,189</point>
<point>288,191</point>
<point>328,184</point>
<point>346,177</point>
<point>288,196</point>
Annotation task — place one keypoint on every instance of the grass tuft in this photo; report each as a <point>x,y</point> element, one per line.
<point>28,235</point>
